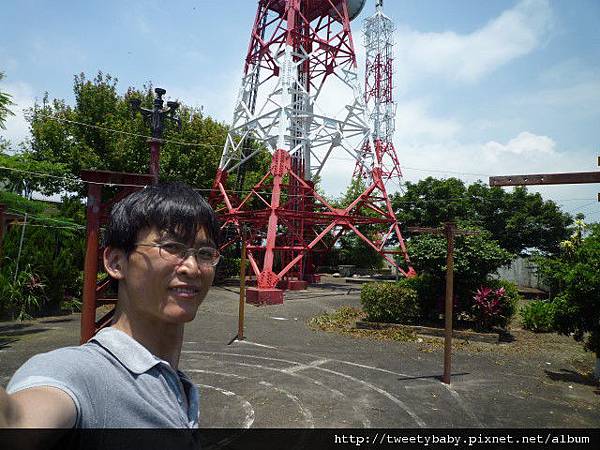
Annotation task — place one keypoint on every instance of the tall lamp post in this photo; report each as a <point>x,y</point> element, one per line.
<point>155,117</point>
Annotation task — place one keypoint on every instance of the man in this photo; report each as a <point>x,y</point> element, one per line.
<point>161,249</point>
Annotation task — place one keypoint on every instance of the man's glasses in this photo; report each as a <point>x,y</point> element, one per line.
<point>176,253</point>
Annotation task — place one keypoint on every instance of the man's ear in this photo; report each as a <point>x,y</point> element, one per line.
<point>115,262</point>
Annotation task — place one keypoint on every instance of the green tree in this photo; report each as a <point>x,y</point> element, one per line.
<point>575,276</point>
<point>431,202</point>
<point>51,256</point>
<point>476,257</point>
<point>5,104</point>
<point>58,136</point>
<point>18,177</point>
<point>518,220</point>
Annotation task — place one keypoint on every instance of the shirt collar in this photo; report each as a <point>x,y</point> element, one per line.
<point>133,355</point>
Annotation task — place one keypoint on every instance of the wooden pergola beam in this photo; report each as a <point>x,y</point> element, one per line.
<point>546,178</point>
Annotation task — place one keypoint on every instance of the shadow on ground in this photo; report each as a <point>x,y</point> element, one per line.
<point>571,376</point>
<point>59,320</point>
<point>13,326</point>
<point>5,342</point>
<point>8,335</point>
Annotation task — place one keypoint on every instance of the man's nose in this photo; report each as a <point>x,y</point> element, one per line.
<point>190,264</point>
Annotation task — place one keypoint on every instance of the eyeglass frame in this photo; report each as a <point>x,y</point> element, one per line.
<point>184,254</point>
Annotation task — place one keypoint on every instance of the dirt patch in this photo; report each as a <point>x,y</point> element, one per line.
<point>561,357</point>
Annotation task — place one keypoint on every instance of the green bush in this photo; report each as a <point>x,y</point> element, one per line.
<point>53,253</point>
<point>538,316</point>
<point>430,295</point>
<point>390,302</point>
<point>22,296</point>
<point>475,258</point>
<point>575,276</point>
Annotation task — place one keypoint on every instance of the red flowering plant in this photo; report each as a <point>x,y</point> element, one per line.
<point>491,307</point>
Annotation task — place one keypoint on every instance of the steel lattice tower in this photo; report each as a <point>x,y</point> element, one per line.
<point>379,43</point>
<point>296,46</point>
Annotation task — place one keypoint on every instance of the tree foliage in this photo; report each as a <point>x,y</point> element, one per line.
<point>5,104</point>
<point>476,257</point>
<point>17,175</point>
<point>518,220</point>
<point>575,276</point>
<point>59,138</point>
<point>49,264</point>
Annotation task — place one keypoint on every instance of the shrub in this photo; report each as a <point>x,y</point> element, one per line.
<point>495,304</point>
<point>578,286</point>
<point>390,302</point>
<point>54,254</point>
<point>430,295</point>
<point>538,316</point>
<point>22,296</point>
<point>475,259</point>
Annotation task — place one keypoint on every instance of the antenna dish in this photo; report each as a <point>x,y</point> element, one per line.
<point>319,8</point>
<point>355,7</point>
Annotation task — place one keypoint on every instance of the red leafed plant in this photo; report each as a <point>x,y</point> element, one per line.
<point>489,307</point>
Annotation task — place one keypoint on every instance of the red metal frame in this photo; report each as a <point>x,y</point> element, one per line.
<point>379,79</point>
<point>97,215</point>
<point>286,232</point>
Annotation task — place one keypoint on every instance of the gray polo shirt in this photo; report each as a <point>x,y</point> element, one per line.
<point>115,382</point>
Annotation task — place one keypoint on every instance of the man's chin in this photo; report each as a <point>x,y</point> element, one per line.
<point>181,311</point>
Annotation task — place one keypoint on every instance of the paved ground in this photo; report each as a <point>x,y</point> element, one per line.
<point>288,375</point>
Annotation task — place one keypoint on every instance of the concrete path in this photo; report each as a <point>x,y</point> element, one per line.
<point>287,375</point>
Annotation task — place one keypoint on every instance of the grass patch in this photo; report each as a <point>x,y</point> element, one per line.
<point>345,317</point>
<point>343,321</point>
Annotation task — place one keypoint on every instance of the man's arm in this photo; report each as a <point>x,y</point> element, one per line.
<point>37,407</point>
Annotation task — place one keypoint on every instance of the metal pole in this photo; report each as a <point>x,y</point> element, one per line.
<point>240,335</point>
<point>449,231</point>
<point>154,158</point>
<point>2,207</point>
<point>20,248</point>
<point>90,270</point>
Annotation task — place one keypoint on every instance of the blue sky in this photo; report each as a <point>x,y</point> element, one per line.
<point>483,87</point>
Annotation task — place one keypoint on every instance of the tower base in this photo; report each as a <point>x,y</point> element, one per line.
<point>297,285</point>
<point>260,297</point>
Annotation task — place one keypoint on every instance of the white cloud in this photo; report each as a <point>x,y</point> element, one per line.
<point>17,127</point>
<point>525,142</point>
<point>468,57</point>
<point>583,97</point>
<point>413,122</point>
<point>523,154</point>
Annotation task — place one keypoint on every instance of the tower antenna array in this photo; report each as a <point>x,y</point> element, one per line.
<point>297,48</point>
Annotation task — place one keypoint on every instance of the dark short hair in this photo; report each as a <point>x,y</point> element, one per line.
<point>173,208</point>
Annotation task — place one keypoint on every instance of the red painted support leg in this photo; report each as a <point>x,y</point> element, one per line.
<point>88,315</point>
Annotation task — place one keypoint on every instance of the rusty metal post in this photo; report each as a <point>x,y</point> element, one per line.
<point>88,313</point>
<point>2,209</point>
<point>154,158</point>
<point>240,335</point>
<point>449,229</point>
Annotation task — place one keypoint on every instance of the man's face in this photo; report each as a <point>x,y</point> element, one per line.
<point>160,289</point>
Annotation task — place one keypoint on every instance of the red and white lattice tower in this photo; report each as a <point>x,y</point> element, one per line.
<point>296,47</point>
<point>379,43</point>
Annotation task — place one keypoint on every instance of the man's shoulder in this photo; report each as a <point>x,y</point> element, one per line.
<point>66,357</point>
<point>66,364</point>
